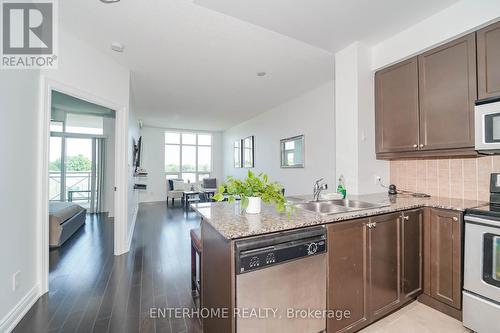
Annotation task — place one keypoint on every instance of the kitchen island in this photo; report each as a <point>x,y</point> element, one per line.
<point>358,242</point>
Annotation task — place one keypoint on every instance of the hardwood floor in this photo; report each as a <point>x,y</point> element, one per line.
<point>93,291</point>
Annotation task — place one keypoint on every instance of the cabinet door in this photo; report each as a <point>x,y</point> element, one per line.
<point>396,107</point>
<point>384,264</point>
<point>347,274</point>
<point>412,253</point>
<point>445,255</point>
<point>488,61</point>
<point>447,81</point>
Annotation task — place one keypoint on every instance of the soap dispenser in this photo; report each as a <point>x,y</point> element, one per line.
<point>341,187</point>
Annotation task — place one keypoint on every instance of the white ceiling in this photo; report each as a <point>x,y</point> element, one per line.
<point>331,24</point>
<point>194,67</point>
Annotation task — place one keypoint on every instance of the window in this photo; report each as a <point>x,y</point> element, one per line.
<point>248,146</point>
<point>237,153</point>
<point>188,156</point>
<point>84,124</point>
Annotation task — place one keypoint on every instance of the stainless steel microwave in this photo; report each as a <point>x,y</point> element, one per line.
<point>487,126</point>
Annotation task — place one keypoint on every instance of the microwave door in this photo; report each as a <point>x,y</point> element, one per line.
<point>487,128</point>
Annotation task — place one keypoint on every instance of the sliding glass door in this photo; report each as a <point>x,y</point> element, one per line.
<point>76,170</point>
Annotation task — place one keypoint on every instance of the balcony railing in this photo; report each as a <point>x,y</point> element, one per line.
<point>78,187</point>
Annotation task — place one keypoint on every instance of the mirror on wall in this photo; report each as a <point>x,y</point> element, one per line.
<point>237,153</point>
<point>248,152</point>
<point>292,152</point>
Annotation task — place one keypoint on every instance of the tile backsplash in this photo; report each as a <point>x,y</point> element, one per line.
<point>467,178</point>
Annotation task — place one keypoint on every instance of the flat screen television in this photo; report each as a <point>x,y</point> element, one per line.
<point>137,153</point>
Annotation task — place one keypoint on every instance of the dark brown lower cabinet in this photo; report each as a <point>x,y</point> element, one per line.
<point>375,266</point>
<point>412,253</point>
<point>347,274</point>
<point>384,264</point>
<point>443,257</point>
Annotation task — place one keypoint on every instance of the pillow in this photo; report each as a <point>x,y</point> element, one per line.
<point>170,185</point>
<point>178,185</point>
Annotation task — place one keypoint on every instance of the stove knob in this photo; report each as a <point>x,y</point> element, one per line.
<point>312,248</point>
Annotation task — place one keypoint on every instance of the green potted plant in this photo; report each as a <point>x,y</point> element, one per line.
<point>252,191</point>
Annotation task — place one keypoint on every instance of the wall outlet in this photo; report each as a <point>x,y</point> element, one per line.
<point>378,180</point>
<point>16,280</point>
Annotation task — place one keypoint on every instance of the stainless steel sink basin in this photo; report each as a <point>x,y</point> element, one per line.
<point>322,207</point>
<point>328,207</point>
<point>353,204</point>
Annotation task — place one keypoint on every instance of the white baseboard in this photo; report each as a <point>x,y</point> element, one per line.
<point>15,315</point>
<point>132,228</point>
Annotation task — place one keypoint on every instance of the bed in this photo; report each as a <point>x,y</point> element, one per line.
<point>65,218</point>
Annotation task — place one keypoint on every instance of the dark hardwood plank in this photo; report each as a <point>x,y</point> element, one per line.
<point>91,290</point>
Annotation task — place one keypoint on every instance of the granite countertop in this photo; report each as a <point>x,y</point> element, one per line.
<point>227,219</point>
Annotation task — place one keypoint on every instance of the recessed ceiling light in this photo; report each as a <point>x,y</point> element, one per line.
<point>110,1</point>
<point>261,73</point>
<point>118,47</point>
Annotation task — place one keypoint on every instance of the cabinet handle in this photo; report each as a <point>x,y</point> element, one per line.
<point>406,218</point>
<point>455,218</point>
<point>421,145</point>
<point>415,145</point>
<point>374,224</point>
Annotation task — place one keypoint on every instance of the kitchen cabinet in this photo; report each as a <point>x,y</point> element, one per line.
<point>443,257</point>
<point>488,61</point>
<point>447,92</point>
<point>424,106</point>
<point>384,264</point>
<point>347,274</point>
<point>397,107</point>
<point>412,253</point>
<point>369,261</point>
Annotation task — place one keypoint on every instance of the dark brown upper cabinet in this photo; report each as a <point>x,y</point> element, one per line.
<point>447,92</point>
<point>396,107</point>
<point>488,61</point>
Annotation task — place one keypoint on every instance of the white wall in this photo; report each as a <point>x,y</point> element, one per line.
<point>153,160</point>
<point>311,114</point>
<point>458,19</point>
<point>133,195</point>
<point>19,112</point>
<point>109,176</point>
<point>346,116</point>
<point>355,121</point>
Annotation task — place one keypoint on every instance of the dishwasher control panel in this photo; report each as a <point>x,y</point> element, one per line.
<point>251,256</point>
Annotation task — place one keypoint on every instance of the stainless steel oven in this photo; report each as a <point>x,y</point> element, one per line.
<point>487,126</point>
<point>481,294</point>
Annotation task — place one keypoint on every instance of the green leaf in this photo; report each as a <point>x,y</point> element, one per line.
<point>218,197</point>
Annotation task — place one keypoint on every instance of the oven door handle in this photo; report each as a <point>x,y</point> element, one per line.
<point>481,220</point>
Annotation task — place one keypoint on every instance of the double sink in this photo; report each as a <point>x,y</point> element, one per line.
<point>339,206</point>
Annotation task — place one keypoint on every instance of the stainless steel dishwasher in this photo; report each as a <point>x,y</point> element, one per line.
<point>281,282</point>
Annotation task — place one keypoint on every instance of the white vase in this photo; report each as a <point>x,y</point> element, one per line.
<point>254,204</point>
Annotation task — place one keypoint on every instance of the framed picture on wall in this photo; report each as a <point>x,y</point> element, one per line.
<point>292,152</point>
<point>237,154</point>
<point>248,152</point>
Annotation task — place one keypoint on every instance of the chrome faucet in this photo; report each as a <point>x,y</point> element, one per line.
<point>318,187</point>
